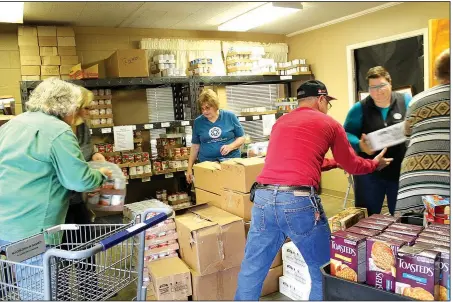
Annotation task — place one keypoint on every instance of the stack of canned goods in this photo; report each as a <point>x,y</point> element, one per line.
<point>166,165</point>
<point>161,195</point>
<point>174,153</point>
<point>101,92</point>
<point>177,198</point>
<point>103,148</point>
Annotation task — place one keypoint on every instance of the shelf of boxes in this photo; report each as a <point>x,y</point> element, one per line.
<point>101,109</point>
<point>164,65</point>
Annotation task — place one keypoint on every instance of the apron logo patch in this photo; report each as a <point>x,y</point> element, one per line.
<point>397,116</point>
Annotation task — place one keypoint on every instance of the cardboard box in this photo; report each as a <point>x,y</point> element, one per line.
<point>211,239</point>
<point>48,51</point>
<point>31,78</point>
<point>348,256</point>
<point>50,70</point>
<point>27,31</point>
<point>170,279</point>
<point>345,219</point>
<point>47,41</point>
<point>47,31</point>
<point>219,286</point>
<point>291,254</point>
<point>239,174</point>
<point>65,69</point>
<point>208,197</point>
<point>66,41</point>
<point>293,289</point>
<point>30,60</point>
<point>297,272</point>
<point>385,217</point>
<point>441,227</point>
<point>387,137</point>
<point>51,61</point>
<point>69,60</point>
<point>381,263</point>
<point>27,41</point>
<point>410,240</point>
<point>385,223</point>
<point>444,286</point>
<point>439,237</point>
<point>278,260</point>
<point>77,73</point>
<point>128,63</point>
<point>370,225</point>
<point>30,70</point>
<point>418,273</point>
<point>207,177</point>
<point>436,232</point>
<point>159,249</point>
<point>43,77</point>
<point>67,50</point>
<point>29,50</point>
<point>164,226</point>
<point>435,204</point>
<point>163,237</point>
<point>64,31</point>
<point>424,240</point>
<point>270,284</point>
<point>238,204</point>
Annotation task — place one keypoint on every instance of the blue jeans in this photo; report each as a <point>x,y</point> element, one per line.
<point>275,216</point>
<point>370,191</point>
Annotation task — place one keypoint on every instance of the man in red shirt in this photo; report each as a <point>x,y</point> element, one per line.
<point>285,199</point>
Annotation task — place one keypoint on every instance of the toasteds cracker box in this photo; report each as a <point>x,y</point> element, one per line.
<point>403,230</point>
<point>410,240</point>
<point>385,217</point>
<point>370,225</point>
<point>377,221</point>
<point>418,273</point>
<point>437,232</point>
<point>362,231</point>
<point>440,227</point>
<point>432,241</point>
<point>381,262</point>
<point>346,218</point>
<point>348,256</point>
<point>440,237</point>
<point>409,227</point>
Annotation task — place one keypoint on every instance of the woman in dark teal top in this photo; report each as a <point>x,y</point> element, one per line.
<point>217,134</point>
<point>382,108</point>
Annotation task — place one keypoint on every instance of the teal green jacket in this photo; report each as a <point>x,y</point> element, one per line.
<point>40,161</point>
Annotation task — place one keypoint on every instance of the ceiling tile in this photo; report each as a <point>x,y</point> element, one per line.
<point>107,14</point>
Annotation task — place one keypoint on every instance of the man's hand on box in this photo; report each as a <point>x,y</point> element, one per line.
<point>365,146</point>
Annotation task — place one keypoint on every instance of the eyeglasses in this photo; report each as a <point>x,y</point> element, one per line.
<point>377,87</point>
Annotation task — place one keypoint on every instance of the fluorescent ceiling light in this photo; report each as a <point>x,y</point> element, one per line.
<point>263,14</point>
<point>11,12</point>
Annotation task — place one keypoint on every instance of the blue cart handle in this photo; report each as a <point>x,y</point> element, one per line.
<point>135,229</point>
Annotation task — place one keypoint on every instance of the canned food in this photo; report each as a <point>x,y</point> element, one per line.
<point>158,196</point>
<point>185,163</point>
<point>108,184</point>
<point>171,164</point>
<point>93,197</point>
<point>171,141</point>
<point>108,102</point>
<point>157,166</point>
<point>184,151</point>
<point>95,92</point>
<point>109,148</point>
<point>117,200</point>
<point>125,172</point>
<point>110,159</point>
<point>147,168</point>
<point>133,171</point>
<point>95,148</point>
<point>109,121</point>
<point>101,148</point>
<point>103,121</point>
<point>101,92</point>
<point>145,156</point>
<point>94,112</point>
<point>119,184</point>
<point>139,170</point>
<point>105,200</point>
<point>138,157</point>
<point>137,134</point>
<point>101,111</point>
<point>118,159</point>
<point>108,111</point>
<point>94,103</point>
<point>165,165</point>
<point>108,92</point>
<point>125,158</point>
<point>101,102</point>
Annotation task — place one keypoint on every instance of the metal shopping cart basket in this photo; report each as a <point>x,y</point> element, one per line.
<point>78,262</point>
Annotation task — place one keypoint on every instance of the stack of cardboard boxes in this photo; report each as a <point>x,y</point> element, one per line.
<point>46,51</point>
<point>226,186</point>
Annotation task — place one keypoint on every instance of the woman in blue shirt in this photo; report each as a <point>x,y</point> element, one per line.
<point>217,134</point>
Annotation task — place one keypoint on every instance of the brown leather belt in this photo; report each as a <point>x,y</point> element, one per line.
<point>283,188</point>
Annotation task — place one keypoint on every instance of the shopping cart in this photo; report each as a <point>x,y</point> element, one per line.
<point>97,262</point>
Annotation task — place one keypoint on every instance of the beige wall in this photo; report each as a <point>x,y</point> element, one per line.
<point>94,44</point>
<point>325,50</point>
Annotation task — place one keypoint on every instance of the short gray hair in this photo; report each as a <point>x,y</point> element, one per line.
<point>442,66</point>
<point>55,97</point>
<point>309,99</point>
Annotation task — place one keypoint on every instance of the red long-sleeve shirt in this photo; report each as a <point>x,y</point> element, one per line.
<point>298,143</point>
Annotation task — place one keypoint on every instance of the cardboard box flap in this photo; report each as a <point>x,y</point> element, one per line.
<point>167,267</point>
<point>194,222</point>
<point>418,250</point>
<point>215,215</point>
<point>246,162</point>
<point>209,165</point>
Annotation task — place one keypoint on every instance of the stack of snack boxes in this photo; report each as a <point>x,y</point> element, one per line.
<point>380,251</point>
<point>437,209</point>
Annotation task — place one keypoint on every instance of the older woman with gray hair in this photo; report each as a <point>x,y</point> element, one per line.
<point>41,162</point>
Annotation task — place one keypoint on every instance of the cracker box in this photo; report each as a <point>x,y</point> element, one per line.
<point>348,256</point>
<point>370,225</point>
<point>410,227</point>
<point>385,217</point>
<point>362,231</point>
<point>440,227</point>
<point>377,221</point>
<point>402,229</point>
<point>440,237</point>
<point>346,219</point>
<point>436,219</point>
<point>435,204</point>
<point>381,258</point>
<point>436,232</point>
<point>418,273</point>
<point>410,240</point>
<point>432,241</point>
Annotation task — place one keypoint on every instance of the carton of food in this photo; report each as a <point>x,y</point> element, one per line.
<point>426,240</point>
<point>378,221</point>
<point>410,227</point>
<point>439,227</point>
<point>363,231</point>
<point>440,237</point>
<point>346,218</point>
<point>370,225</point>
<point>381,264</point>
<point>385,217</point>
<point>410,240</point>
<point>435,204</point>
<point>436,232</point>
<point>418,273</point>
<point>348,256</point>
